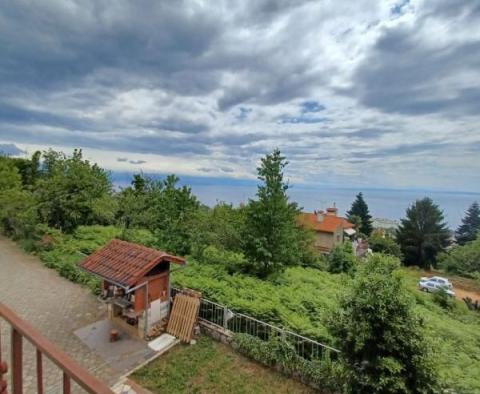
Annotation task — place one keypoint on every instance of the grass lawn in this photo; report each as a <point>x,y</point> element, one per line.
<point>211,367</point>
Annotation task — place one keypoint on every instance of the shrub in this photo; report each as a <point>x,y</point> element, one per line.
<point>232,261</point>
<point>381,337</point>
<point>276,352</point>
<point>442,299</point>
<point>341,259</point>
<point>383,243</point>
<point>462,260</point>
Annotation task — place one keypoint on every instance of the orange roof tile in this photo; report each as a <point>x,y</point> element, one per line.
<point>125,263</point>
<point>329,224</point>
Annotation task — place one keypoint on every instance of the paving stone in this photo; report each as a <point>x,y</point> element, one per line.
<point>54,306</point>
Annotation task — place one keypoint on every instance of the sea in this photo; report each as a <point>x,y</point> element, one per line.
<point>389,204</point>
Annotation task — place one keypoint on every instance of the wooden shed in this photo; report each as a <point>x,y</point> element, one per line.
<point>136,282</point>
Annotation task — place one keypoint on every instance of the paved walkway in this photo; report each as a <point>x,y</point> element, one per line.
<point>53,305</point>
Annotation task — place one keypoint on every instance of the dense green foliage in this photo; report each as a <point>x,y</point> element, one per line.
<point>470,226</point>
<point>463,260</point>
<point>422,234</point>
<point>382,242</point>
<point>18,215</point>
<point>342,259</point>
<point>302,299</point>
<point>360,210</point>
<point>270,228</point>
<point>222,226</point>
<point>276,352</point>
<point>381,338</point>
<point>72,192</point>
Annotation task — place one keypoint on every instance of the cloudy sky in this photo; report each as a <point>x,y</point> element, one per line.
<point>364,93</point>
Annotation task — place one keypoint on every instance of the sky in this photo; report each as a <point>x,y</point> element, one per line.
<point>373,94</point>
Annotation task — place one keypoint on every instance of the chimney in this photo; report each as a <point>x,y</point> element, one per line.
<point>320,215</point>
<point>332,211</point>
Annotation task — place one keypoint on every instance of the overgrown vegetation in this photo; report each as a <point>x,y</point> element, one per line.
<point>381,338</point>
<point>463,260</point>
<point>321,373</point>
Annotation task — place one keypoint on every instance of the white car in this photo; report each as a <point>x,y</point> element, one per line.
<point>436,283</point>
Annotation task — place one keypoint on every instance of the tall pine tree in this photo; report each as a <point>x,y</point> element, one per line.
<point>360,209</point>
<point>271,239</point>
<point>470,226</point>
<point>423,234</point>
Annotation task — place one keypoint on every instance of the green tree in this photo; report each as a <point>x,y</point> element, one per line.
<point>382,242</point>
<point>341,259</point>
<point>270,228</point>
<point>360,208</point>
<point>381,338</point>
<point>173,210</point>
<point>132,202</point>
<point>470,226</point>
<point>17,206</point>
<point>422,234</point>
<point>71,191</point>
<point>221,226</point>
<point>29,169</point>
<point>463,260</point>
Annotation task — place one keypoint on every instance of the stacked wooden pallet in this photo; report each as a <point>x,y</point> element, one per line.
<point>184,316</point>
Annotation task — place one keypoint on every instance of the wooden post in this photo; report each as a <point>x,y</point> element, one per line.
<point>39,372</point>
<point>66,383</point>
<point>17,360</point>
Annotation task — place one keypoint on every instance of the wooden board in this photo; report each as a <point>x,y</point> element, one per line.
<point>183,317</point>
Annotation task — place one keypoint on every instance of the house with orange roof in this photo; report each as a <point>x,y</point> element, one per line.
<point>330,229</point>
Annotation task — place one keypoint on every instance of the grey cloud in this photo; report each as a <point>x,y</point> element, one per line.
<point>404,75</point>
<point>402,150</point>
<point>157,143</point>
<point>122,159</point>
<point>137,162</point>
<point>204,169</point>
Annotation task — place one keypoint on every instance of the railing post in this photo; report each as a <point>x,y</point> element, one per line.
<point>39,373</point>
<point>3,368</point>
<point>66,383</point>
<point>17,360</point>
<point>225,317</point>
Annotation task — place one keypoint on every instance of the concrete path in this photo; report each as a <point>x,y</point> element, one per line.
<point>53,305</point>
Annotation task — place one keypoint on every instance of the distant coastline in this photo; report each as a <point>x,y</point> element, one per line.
<point>388,205</point>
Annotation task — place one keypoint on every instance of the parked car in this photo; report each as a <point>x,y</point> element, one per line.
<point>436,283</point>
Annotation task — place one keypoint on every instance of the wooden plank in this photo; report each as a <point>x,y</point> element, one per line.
<point>183,316</point>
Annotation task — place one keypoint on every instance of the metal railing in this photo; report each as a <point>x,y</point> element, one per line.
<point>20,329</point>
<point>236,322</point>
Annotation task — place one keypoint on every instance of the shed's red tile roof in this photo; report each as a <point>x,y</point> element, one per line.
<point>329,224</point>
<point>125,263</point>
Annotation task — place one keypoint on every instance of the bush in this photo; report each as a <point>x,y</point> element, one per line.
<point>276,352</point>
<point>382,339</point>
<point>442,299</point>
<point>342,259</point>
<point>383,243</point>
<point>232,261</point>
<point>462,260</point>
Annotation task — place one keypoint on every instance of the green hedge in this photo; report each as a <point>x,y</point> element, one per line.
<point>323,373</point>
